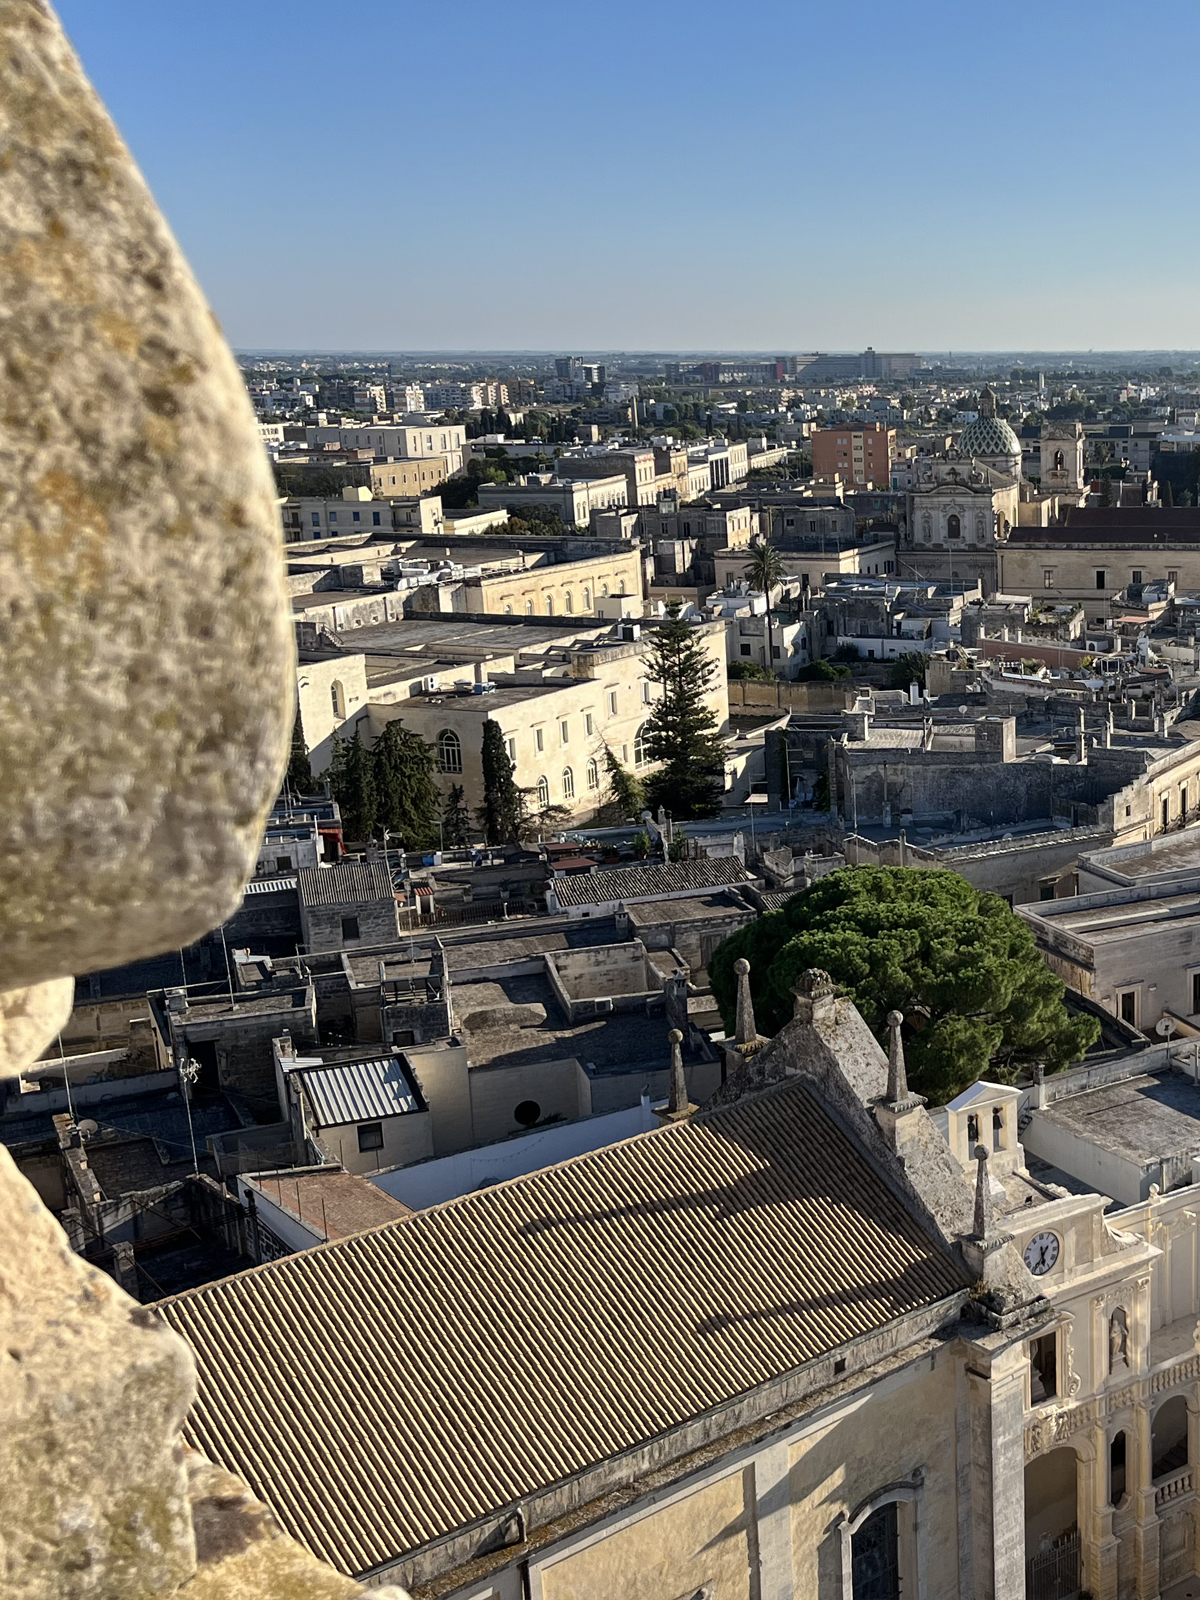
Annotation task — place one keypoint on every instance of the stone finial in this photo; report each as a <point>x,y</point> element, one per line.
<point>984,1211</point>
<point>148,641</point>
<point>677,1100</point>
<point>745,1031</point>
<point>815,995</point>
<point>897,1088</point>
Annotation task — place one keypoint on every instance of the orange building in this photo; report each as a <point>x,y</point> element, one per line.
<point>861,453</point>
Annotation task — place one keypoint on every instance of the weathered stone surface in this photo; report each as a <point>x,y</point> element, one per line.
<point>29,1019</point>
<point>243,1554</point>
<point>93,1390</point>
<point>147,647</point>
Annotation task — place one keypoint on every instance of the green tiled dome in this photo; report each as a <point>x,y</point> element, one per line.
<point>989,436</point>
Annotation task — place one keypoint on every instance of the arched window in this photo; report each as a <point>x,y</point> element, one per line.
<point>1118,1340</point>
<point>508,610</point>
<point>449,751</point>
<point>568,602</point>
<point>1169,1438</point>
<point>587,599</point>
<point>639,746</point>
<point>543,793</point>
<point>337,695</point>
<point>568,783</point>
<point>593,774</point>
<point>529,608</point>
<point>621,590</point>
<point>604,591</point>
<point>549,605</point>
<point>1059,461</point>
<point>953,526</point>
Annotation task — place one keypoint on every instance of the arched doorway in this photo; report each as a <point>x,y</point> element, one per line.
<point>953,526</point>
<point>1052,1569</point>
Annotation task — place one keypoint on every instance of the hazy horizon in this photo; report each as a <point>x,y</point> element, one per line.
<point>921,177</point>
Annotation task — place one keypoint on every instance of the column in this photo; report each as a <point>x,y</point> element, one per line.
<point>773,1509</point>
<point>1098,1543</point>
<point>996,1378</point>
<point>1144,1533</point>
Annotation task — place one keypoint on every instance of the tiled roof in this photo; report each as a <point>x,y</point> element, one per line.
<point>380,1392</point>
<point>349,883</point>
<point>359,1091</point>
<point>639,883</point>
<point>1137,525</point>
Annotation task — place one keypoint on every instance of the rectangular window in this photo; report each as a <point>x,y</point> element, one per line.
<point>537,739</point>
<point>612,702</point>
<point>350,929</point>
<point>283,863</point>
<point>1172,575</point>
<point>1047,577</point>
<point>355,516</point>
<point>316,518</point>
<point>375,521</point>
<point>1101,578</point>
<point>370,1136</point>
<point>1135,575</point>
<point>333,516</point>
<point>1043,1369</point>
<point>745,649</point>
<point>645,691</point>
<point>1195,992</point>
<point>1127,1006</point>
<point>511,746</point>
<point>564,732</point>
<point>587,723</point>
<point>775,650</point>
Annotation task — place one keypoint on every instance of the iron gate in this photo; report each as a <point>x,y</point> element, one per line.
<point>1053,1574</point>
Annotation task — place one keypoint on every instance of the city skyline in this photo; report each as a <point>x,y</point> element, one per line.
<point>661,183</point>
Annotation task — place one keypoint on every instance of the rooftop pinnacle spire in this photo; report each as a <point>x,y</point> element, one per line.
<point>745,1032</point>
<point>897,1088</point>
<point>677,1100</point>
<point>984,1214</point>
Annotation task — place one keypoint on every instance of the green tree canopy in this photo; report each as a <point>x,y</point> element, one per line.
<point>407,796</point>
<point>503,811</point>
<point>682,732</point>
<point>352,783</point>
<point>299,770</point>
<point>456,819</point>
<point>754,670</point>
<point>910,667</point>
<point>965,971</point>
<point>622,794</point>
<point>765,567</point>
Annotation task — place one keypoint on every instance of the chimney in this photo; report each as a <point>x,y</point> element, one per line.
<point>479,674</point>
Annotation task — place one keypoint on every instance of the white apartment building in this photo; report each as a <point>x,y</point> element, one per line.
<point>408,441</point>
<point>574,499</point>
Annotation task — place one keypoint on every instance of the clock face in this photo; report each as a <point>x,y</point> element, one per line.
<point>1041,1253</point>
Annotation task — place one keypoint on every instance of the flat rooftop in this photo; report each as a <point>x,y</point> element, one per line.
<point>1144,1119</point>
<point>614,1042</point>
<point>1100,923</point>
<point>504,636</point>
<point>1178,854</point>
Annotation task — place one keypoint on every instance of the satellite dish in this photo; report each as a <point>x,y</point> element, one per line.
<point>87,1128</point>
<point>962,710</point>
<point>1164,1027</point>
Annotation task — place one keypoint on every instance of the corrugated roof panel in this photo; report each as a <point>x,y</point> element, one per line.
<point>359,1091</point>
<point>382,1391</point>
<point>634,883</point>
<point>348,883</point>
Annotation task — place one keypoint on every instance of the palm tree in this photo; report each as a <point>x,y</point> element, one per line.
<point>766,571</point>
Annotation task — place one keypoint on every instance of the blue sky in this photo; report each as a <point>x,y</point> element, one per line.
<point>781,176</point>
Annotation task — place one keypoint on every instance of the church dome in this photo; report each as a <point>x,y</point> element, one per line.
<point>988,437</point>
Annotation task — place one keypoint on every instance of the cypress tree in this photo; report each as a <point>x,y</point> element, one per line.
<point>299,770</point>
<point>456,819</point>
<point>682,731</point>
<point>503,809</point>
<point>407,792</point>
<point>352,783</point>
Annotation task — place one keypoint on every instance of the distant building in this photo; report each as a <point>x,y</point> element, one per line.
<point>860,453</point>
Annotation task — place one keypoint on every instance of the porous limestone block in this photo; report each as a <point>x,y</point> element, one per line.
<point>93,1391</point>
<point>145,701</point>
<point>29,1019</point>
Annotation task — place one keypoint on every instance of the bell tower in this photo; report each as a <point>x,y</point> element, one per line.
<point>1061,447</point>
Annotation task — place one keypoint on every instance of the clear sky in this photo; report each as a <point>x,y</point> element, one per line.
<point>669,174</point>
